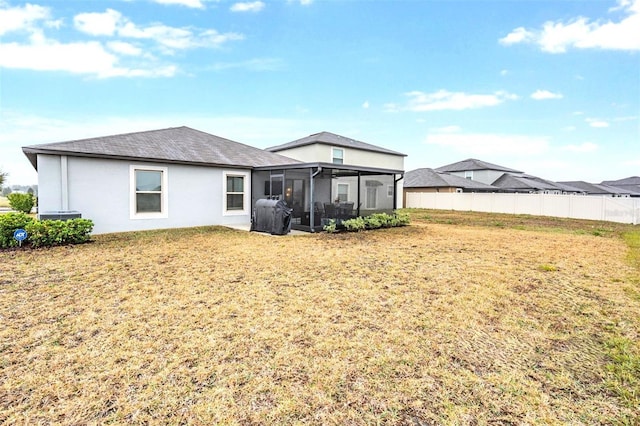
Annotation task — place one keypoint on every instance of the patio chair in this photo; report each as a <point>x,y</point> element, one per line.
<point>347,210</point>
<point>330,210</point>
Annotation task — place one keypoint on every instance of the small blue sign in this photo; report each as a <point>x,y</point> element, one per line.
<point>20,235</point>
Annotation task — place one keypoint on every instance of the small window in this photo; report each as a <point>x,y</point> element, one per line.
<point>390,191</point>
<point>235,192</point>
<point>343,192</point>
<point>236,187</point>
<point>468,174</point>
<point>149,192</point>
<point>337,156</point>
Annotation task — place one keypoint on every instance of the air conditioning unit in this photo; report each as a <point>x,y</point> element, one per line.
<point>60,215</point>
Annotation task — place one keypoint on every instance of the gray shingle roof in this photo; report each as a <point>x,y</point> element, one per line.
<point>474,164</point>
<point>429,178</point>
<point>525,182</point>
<point>175,145</point>
<point>632,180</point>
<point>328,138</point>
<point>596,189</point>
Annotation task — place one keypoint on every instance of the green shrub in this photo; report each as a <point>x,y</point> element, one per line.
<point>8,224</point>
<point>21,202</point>
<point>57,232</point>
<point>354,225</point>
<point>373,221</point>
<point>331,227</point>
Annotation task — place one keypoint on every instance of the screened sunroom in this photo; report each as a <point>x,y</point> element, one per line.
<point>321,192</point>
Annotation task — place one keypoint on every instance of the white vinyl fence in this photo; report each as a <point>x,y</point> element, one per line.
<point>623,210</point>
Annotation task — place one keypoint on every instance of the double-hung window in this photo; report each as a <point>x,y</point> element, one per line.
<point>343,192</point>
<point>148,192</point>
<point>236,193</point>
<point>337,156</point>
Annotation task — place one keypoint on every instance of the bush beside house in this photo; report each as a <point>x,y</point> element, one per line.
<point>21,202</point>
<point>43,233</point>
<point>373,221</point>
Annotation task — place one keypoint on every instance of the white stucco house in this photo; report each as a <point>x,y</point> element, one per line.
<point>181,177</point>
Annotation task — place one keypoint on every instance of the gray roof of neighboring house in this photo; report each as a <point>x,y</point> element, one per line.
<point>474,164</point>
<point>429,178</point>
<point>632,180</point>
<point>568,188</point>
<point>596,189</point>
<point>328,138</point>
<point>524,182</point>
<point>174,145</point>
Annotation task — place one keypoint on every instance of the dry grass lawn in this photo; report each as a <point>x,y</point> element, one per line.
<point>456,319</point>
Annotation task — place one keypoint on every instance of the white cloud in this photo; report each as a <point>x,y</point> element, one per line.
<point>171,38</point>
<point>89,58</point>
<point>302,2</point>
<point>95,57</point>
<point>504,72</point>
<point>584,147</point>
<point>196,4</point>
<point>98,24</point>
<point>582,33</point>
<point>485,144</point>
<point>539,95</point>
<point>365,105</point>
<point>257,64</point>
<point>124,48</point>
<point>255,6</point>
<point>21,18</point>
<point>595,122</point>
<point>445,100</point>
<point>519,35</point>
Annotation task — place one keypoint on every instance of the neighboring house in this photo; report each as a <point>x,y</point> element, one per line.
<point>597,189</point>
<point>172,178</point>
<point>631,184</point>
<point>362,177</point>
<point>430,180</point>
<point>523,183</point>
<point>478,170</point>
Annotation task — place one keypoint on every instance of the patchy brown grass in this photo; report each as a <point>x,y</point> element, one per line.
<point>427,324</point>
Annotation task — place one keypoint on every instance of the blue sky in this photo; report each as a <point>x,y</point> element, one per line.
<point>548,87</point>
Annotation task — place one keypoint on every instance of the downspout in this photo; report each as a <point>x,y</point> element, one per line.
<point>358,197</point>
<point>395,190</point>
<point>64,183</point>
<point>312,219</point>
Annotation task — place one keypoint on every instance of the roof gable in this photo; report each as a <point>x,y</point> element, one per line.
<point>474,164</point>
<point>508,181</point>
<point>328,138</point>
<point>175,144</point>
<point>430,178</point>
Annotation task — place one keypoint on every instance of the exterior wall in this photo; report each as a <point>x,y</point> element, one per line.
<point>354,157</point>
<point>100,189</point>
<point>484,176</point>
<point>49,183</point>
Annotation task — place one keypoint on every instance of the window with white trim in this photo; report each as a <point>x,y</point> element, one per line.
<point>149,190</point>
<point>468,174</point>
<point>236,193</point>
<point>389,190</point>
<point>343,192</point>
<point>337,155</point>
